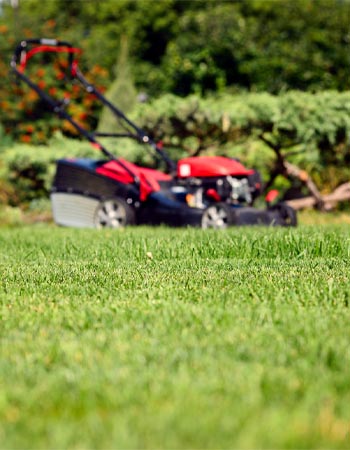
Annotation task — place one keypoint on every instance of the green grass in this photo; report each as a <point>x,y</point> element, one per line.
<point>169,338</point>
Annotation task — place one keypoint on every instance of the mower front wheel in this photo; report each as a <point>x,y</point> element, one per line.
<point>114,213</point>
<point>218,215</point>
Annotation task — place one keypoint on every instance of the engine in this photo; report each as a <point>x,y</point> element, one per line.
<point>208,180</point>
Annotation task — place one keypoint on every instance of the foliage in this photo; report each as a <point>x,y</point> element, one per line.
<point>5,139</point>
<point>10,216</point>
<point>263,46</point>
<point>253,45</point>
<point>200,46</point>
<point>121,92</point>
<point>313,128</point>
<point>26,171</point>
<point>222,340</point>
<point>300,44</point>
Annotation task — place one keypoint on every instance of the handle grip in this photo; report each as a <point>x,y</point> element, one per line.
<point>28,48</point>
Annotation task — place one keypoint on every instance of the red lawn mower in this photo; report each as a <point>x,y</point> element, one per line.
<point>204,191</point>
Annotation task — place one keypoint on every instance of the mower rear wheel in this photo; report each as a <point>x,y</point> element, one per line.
<point>114,213</point>
<point>288,215</point>
<point>218,215</point>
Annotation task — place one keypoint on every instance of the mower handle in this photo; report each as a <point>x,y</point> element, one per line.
<point>29,47</point>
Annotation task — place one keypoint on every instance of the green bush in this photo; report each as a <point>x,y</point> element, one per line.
<point>311,130</point>
<point>26,171</point>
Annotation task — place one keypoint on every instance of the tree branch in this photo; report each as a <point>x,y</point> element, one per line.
<point>340,194</point>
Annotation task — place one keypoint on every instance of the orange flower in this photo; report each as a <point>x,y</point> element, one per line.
<point>28,33</point>
<point>29,129</point>
<point>68,127</point>
<point>51,23</point>
<point>60,76</point>
<point>4,104</point>
<point>87,103</point>
<point>40,72</point>
<point>25,138</point>
<point>41,84</point>
<point>3,29</point>
<point>98,70</point>
<point>32,96</point>
<point>52,90</point>
<point>64,63</point>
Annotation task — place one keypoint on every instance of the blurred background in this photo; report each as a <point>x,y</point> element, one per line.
<point>265,81</point>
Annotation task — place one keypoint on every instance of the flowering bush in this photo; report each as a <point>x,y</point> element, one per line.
<point>27,117</point>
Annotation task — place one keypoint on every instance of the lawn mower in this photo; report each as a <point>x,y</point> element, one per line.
<point>203,191</point>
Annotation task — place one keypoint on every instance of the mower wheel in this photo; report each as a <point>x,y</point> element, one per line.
<point>288,214</point>
<point>114,213</point>
<point>218,215</point>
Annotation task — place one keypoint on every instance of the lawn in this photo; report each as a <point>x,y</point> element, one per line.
<point>175,338</point>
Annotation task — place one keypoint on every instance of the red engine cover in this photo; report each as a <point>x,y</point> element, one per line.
<point>112,169</point>
<point>210,166</point>
<point>149,178</point>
